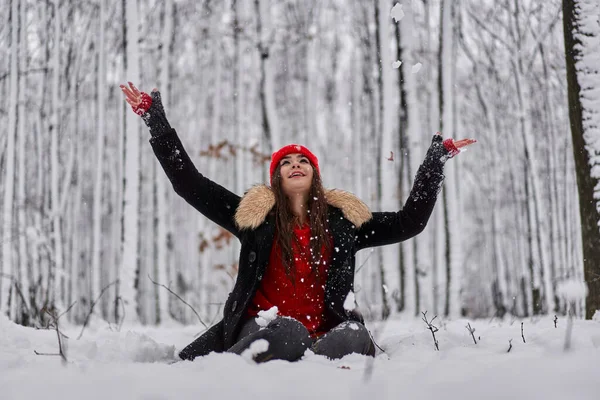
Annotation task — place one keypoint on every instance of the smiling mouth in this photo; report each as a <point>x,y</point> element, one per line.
<point>296,174</point>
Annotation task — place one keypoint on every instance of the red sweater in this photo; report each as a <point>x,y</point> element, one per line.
<point>303,299</point>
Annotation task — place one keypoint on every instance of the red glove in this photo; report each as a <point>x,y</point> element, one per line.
<point>144,104</point>
<point>451,147</point>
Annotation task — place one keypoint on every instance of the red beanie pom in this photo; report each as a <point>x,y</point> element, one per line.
<point>291,149</point>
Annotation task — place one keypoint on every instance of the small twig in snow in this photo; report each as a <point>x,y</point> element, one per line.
<point>59,335</point>
<point>555,320</point>
<point>182,300</point>
<point>509,345</point>
<point>371,360</point>
<point>523,336</point>
<point>89,314</point>
<point>471,331</point>
<point>432,328</point>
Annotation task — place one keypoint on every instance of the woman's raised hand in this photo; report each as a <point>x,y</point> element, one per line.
<point>140,102</point>
<point>454,146</point>
<point>132,95</point>
<point>464,143</point>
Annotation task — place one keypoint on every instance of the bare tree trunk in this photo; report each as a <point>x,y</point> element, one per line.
<point>24,277</point>
<point>409,136</point>
<point>453,251</point>
<point>94,275</point>
<point>385,169</point>
<point>270,125</point>
<point>130,262</point>
<point>582,46</point>
<point>8,231</point>
<point>57,269</point>
<point>162,212</point>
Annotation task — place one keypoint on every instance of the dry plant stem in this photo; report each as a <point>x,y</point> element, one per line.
<point>183,301</point>
<point>87,317</point>
<point>523,336</point>
<point>555,321</point>
<point>364,262</point>
<point>61,352</point>
<point>371,360</point>
<point>471,331</point>
<point>509,345</point>
<point>68,309</point>
<point>432,328</point>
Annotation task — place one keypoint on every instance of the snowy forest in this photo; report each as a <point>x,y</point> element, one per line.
<point>91,224</point>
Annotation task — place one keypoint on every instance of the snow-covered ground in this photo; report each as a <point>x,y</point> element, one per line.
<point>134,364</point>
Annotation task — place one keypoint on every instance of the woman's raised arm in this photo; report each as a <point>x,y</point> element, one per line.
<point>393,227</point>
<point>212,200</point>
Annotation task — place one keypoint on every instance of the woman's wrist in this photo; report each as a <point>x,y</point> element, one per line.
<point>153,113</point>
<point>451,147</point>
<point>144,105</point>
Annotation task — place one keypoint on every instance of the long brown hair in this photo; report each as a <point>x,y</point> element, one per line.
<point>286,220</point>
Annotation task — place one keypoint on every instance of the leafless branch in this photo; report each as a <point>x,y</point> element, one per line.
<point>18,290</point>
<point>471,331</point>
<point>523,336</point>
<point>364,262</point>
<point>68,309</point>
<point>87,317</point>
<point>432,328</point>
<point>371,360</point>
<point>509,345</point>
<point>182,300</point>
<point>555,320</point>
<point>59,335</point>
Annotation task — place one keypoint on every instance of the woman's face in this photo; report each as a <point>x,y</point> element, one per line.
<point>296,174</point>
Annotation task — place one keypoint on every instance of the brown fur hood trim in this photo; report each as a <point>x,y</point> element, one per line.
<point>259,200</point>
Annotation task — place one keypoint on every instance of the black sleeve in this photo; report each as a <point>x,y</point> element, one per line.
<point>393,227</point>
<point>211,340</point>
<point>212,200</point>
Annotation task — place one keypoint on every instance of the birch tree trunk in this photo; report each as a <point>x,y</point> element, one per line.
<point>409,138</point>
<point>269,113</point>
<point>582,49</point>
<point>130,242</point>
<point>453,251</point>
<point>388,270</point>
<point>22,137</point>
<point>94,275</point>
<point>9,177</point>
<point>162,211</point>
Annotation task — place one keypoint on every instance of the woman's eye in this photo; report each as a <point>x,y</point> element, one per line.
<point>284,162</point>
<point>304,160</point>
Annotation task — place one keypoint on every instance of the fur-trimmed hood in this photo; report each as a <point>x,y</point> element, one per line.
<point>259,200</point>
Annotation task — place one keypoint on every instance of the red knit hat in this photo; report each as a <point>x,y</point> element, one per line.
<point>291,149</point>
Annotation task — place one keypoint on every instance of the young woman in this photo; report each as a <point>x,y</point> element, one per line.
<point>298,242</point>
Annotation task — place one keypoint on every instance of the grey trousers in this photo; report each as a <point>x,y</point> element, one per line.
<point>288,340</point>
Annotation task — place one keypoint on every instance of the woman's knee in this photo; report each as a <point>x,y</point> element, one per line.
<point>289,327</point>
<point>346,338</point>
<point>287,339</point>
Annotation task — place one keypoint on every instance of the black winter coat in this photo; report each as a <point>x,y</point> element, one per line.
<point>251,219</point>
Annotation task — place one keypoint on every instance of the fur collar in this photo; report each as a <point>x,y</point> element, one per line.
<point>259,200</point>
